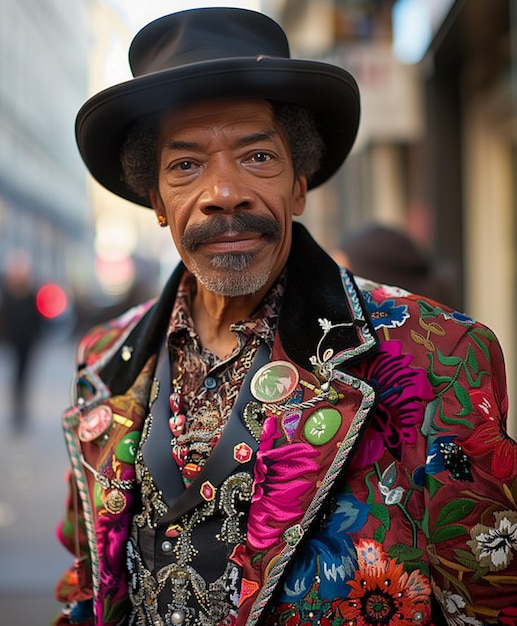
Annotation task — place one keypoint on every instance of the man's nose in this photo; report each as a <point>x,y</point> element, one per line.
<point>225,190</point>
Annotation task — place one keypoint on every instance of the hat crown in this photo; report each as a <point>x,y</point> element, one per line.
<point>189,37</point>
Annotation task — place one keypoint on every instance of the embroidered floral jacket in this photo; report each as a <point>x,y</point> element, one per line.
<point>385,485</point>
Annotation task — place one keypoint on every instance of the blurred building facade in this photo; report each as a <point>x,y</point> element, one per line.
<point>437,151</point>
<point>53,56</point>
<point>43,80</point>
<point>132,255</point>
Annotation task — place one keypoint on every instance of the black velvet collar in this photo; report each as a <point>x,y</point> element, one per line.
<point>314,291</point>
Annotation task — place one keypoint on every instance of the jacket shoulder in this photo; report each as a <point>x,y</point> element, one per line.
<point>395,309</point>
<point>399,314</point>
<point>100,339</point>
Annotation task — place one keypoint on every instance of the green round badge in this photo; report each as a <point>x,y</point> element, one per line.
<point>126,448</point>
<point>321,426</point>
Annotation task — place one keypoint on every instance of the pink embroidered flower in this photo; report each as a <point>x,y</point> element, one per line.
<point>491,437</point>
<point>402,394</point>
<point>111,532</point>
<point>282,477</point>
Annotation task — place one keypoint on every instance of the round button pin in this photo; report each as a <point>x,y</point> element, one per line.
<point>274,381</point>
<point>95,423</point>
<point>126,448</point>
<point>321,426</point>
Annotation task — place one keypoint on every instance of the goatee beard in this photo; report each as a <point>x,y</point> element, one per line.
<point>233,278</point>
<point>232,284</point>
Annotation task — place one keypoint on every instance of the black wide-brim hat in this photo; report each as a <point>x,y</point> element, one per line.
<point>209,54</point>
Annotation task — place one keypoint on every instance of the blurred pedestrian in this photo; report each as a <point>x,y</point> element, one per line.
<point>20,326</point>
<point>389,256</point>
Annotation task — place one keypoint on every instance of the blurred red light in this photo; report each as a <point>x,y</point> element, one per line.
<point>51,301</point>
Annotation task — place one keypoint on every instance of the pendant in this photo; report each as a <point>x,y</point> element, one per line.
<point>175,401</point>
<point>178,617</point>
<point>115,501</point>
<point>176,424</point>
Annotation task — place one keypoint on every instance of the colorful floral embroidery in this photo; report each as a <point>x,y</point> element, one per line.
<point>459,317</point>
<point>369,553</point>
<point>383,593</point>
<point>402,392</point>
<point>391,494</point>
<point>432,309</point>
<point>453,605</point>
<point>387,313</point>
<point>495,547</point>
<point>456,461</point>
<point>330,554</point>
<point>491,437</point>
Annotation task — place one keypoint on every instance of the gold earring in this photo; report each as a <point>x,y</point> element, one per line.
<point>162,221</point>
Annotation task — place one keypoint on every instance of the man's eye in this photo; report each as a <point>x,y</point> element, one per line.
<point>261,157</point>
<point>181,166</point>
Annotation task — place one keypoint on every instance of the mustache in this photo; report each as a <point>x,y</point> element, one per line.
<point>196,235</point>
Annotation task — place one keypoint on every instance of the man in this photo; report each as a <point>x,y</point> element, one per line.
<point>265,443</point>
<point>21,327</point>
<point>388,255</point>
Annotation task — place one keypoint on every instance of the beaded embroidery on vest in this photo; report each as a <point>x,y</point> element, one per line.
<point>181,573</point>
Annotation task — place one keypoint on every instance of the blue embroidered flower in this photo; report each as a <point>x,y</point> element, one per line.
<point>331,553</point>
<point>435,461</point>
<point>461,318</point>
<point>387,314</point>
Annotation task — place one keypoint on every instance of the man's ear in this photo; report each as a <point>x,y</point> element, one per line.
<point>158,207</point>
<point>299,195</point>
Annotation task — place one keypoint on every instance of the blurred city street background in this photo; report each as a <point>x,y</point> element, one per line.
<point>32,488</point>
<point>435,158</point>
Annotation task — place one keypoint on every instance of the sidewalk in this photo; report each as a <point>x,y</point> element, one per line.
<point>32,489</point>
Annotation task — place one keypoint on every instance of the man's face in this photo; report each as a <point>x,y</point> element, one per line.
<point>226,185</point>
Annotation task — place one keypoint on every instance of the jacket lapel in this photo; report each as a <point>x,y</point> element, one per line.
<point>307,443</point>
<point>316,290</point>
<point>222,462</point>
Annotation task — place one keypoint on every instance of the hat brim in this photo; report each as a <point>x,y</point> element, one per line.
<point>330,92</point>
